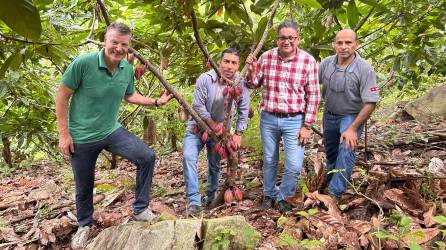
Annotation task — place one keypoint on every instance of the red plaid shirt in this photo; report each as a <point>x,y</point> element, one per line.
<point>288,86</point>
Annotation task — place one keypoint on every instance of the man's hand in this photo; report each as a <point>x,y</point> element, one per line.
<point>237,139</point>
<point>218,128</point>
<point>304,135</point>
<point>66,145</point>
<point>251,60</point>
<point>350,138</point>
<point>165,97</point>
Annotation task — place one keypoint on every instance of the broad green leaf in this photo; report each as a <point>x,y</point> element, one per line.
<point>374,4</point>
<point>413,245</point>
<point>312,3</point>
<point>385,235</point>
<point>440,219</point>
<point>260,28</point>
<point>261,6</point>
<point>21,16</point>
<point>352,14</point>
<point>10,62</point>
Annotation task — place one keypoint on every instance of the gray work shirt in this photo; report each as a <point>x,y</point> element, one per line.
<point>209,101</point>
<point>345,90</point>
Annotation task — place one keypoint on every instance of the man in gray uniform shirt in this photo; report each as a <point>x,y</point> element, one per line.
<point>350,95</point>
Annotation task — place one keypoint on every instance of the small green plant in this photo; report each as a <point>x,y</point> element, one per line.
<point>308,213</point>
<point>404,232</point>
<point>310,244</point>
<point>159,190</point>
<point>251,235</point>
<point>287,240</point>
<point>223,238</point>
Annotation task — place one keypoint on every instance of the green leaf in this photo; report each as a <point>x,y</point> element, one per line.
<point>413,245</point>
<point>440,219</point>
<point>260,28</point>
<point>352,14</point>
<point>261,6</point>
<point>385,235</point>
<point>312,3</point>
<point>13,62</point>
<point>374,4</point>
<point>22,17</point>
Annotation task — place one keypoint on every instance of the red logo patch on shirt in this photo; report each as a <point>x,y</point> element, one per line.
<point>373,89</point>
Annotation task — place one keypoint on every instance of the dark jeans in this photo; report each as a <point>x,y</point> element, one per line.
<point>83,161</point>
<point>338,157</point>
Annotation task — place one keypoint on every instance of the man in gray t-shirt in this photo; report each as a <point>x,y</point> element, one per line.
<point>350,96</point>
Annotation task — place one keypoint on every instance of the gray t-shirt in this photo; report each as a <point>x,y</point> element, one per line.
<point>345,90</point>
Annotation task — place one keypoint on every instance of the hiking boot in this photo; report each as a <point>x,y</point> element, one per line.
<point>267,203</point>
<point>80,238</point>
<point>146,215</point>
<point>284,206</point>
<point>193,210</point>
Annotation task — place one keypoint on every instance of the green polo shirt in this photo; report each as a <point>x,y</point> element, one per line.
<point>94,106</point>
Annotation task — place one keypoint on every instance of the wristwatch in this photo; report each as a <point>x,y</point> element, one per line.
<point>156,103</point>
<point>239,133</point>
<point>307,126</point>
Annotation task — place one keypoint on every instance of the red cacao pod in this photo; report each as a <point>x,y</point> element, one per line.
<point>228,196</point>
<point>204,137</point>
<point>238,194</point>
<point>131,58</point>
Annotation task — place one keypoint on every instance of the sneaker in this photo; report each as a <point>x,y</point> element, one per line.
<point>284,206</point>
<point>146,215</point>
<point>336,199</point>
<point>267,203</point>
<point>80,238</point>
<point>207,201</point>
<point>193,210</point>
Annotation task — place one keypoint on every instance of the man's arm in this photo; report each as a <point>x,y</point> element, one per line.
<point>65,141</point>
<point>312,99</point>
<point>137,98</point>
<point>350,135</point>
<point>254,77</point>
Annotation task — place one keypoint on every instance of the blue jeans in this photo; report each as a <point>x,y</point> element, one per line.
<point>83,161</point>
<point>192,146</point>
<point>338,157</point>
<point>272,129</point>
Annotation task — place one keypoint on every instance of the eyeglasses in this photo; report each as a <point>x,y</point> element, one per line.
<point>291,39</point>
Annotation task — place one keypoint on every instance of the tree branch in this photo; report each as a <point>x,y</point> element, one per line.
<point>200,44</point>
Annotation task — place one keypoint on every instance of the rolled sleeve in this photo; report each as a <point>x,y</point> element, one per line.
<point>312,94</point>
<point>243,109</point>
<point>200,95</point>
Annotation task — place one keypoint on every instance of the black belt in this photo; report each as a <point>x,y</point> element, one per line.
<point>285,115</point>
<point>330,113</point>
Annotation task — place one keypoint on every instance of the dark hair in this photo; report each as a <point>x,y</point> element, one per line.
<point>288,24</point>
<point>120,28</point>
<point>230,51</point>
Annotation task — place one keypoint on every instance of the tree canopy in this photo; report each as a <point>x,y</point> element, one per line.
<point>403,39</point>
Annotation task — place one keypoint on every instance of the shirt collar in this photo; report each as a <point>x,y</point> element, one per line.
<point>214,76</point>
<point>296,53</point>
<point>335,60</point>
<point>102,63</point>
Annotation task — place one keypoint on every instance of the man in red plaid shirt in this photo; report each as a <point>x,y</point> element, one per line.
<point>290,101</point>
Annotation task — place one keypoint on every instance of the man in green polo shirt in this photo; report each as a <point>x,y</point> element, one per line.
<point>96,83</point>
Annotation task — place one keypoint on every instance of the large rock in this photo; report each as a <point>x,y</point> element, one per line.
<point>164,235</point>
<point>430,107</point>
<point>231,232</point>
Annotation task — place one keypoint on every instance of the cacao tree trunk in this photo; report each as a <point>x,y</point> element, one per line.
<point>7,151</point>
<point>149,127</point>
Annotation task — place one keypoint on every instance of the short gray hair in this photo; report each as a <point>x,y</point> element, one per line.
<point>120,28</point>
<point>288,24</point>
